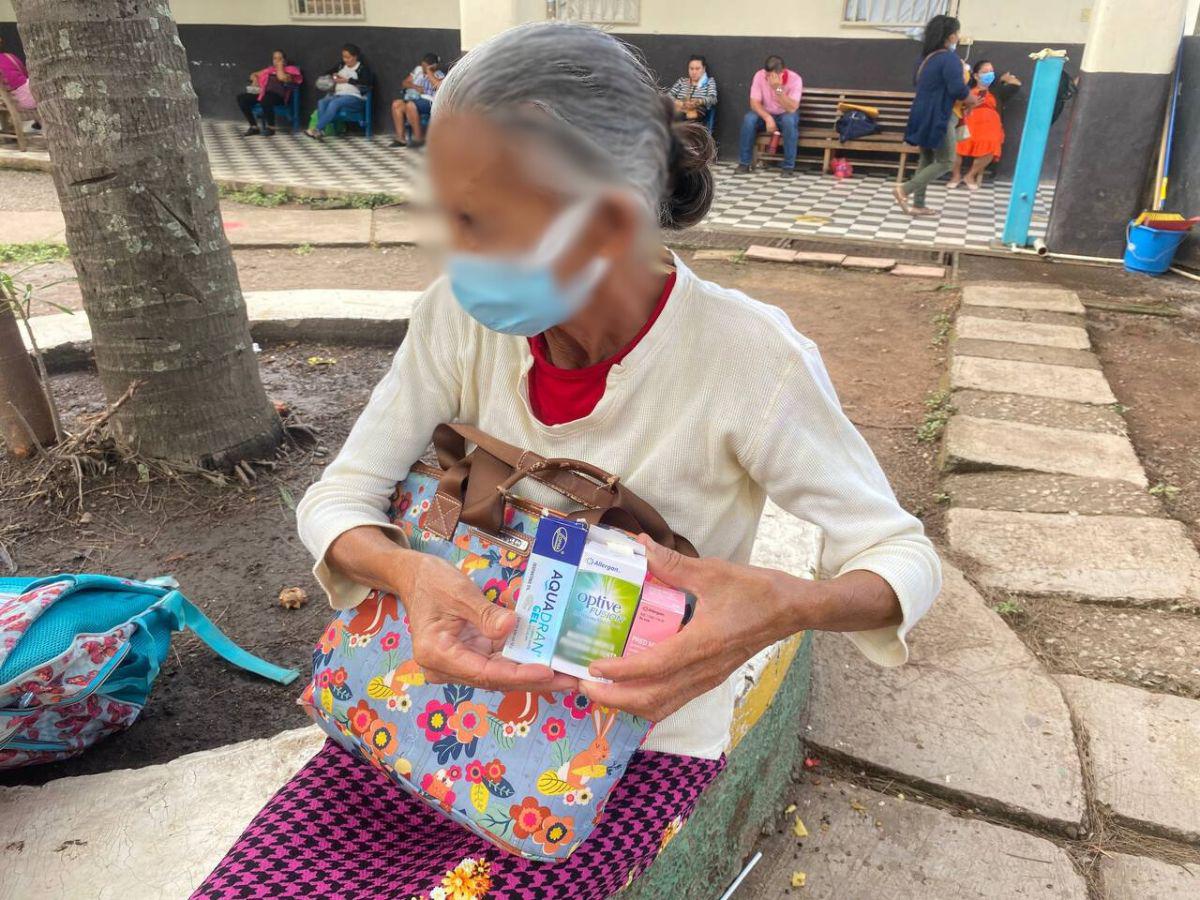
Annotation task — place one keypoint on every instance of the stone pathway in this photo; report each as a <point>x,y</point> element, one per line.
<point>1048,505</point>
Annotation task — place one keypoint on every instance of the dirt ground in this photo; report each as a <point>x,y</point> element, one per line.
<point>233,549</point>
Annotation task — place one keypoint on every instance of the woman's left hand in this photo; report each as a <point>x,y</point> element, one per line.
<point>739,610</point>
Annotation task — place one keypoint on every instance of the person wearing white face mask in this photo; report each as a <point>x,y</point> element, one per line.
<point>563,326</point>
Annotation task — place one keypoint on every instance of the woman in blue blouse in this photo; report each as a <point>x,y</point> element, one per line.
<point>941,81</point>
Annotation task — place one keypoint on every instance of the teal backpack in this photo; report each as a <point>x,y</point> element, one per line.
<point>79,655</point>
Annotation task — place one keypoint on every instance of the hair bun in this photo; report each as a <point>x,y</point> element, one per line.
<point>690,185</point>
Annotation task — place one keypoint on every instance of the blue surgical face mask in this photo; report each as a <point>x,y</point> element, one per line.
<point>986,78</point>
<point>521,294</point>
<point>953,47</point>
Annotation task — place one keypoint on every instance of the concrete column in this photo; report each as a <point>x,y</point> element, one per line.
<point>480,19</point>
<point>1116,125</point>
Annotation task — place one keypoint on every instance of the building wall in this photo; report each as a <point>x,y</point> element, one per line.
<point>227,38</point>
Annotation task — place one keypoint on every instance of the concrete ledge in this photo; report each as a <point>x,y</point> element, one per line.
<point>330,316</point>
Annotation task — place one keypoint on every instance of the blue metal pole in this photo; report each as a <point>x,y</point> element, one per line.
<point>1046,76</point>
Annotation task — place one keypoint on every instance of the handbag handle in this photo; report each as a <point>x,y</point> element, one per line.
<point>474,487</point>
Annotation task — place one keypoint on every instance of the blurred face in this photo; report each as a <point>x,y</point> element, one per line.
<point>348,58</point>
<point>695,70</point>
<point>277,59</point>
<point>952,39</point>
<point>985,68</point>
<point>491,206</point>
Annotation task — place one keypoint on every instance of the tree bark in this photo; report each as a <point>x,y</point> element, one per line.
<point>25,417</point>
<point>144,229</point>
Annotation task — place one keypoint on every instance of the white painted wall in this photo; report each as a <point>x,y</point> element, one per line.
<point>1135,36</point>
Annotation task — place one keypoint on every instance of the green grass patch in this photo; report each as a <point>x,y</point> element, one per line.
<point>255,195</point>
<point>32,254</point>
<point>938,411</point>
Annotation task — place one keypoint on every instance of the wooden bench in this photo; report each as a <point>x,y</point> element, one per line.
<point>12,119</point>
<point>818,118</point>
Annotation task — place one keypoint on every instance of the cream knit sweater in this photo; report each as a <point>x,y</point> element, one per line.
<point>722,404</point>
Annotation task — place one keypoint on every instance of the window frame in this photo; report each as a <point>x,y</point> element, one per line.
<point>951,10</point>
<point>297,13</point>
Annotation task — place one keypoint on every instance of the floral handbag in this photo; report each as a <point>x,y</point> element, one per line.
<point>529,772</point>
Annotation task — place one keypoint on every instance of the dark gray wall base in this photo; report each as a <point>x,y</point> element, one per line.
<point>1183,194</point>
<point>222,57</point>
<point>1107,161</point>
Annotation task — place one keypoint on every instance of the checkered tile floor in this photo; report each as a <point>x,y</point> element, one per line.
<point>351,164</point>
<point>809,205</point>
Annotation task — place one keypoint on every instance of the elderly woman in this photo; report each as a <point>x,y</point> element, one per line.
<point>563,326</point>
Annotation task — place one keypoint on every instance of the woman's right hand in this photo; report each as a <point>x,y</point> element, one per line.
<point>457,634</point>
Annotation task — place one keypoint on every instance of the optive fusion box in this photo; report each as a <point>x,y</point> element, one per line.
<point>604,600</point>
<point>546,590</point>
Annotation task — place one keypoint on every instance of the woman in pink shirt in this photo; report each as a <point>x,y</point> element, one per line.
<point>15,80</point>
<point>774,108</point>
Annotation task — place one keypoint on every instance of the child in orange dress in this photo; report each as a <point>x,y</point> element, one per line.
<point>986,130</point>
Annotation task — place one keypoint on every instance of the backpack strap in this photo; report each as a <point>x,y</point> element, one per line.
<point>203,628</point>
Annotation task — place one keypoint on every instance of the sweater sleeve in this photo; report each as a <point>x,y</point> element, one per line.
<point>813,462</point>
<point>420,391</point>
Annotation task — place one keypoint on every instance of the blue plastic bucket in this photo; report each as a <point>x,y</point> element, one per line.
<point>1150,250</point>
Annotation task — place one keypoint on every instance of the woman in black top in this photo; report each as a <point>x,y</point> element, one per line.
<point>351,82</point>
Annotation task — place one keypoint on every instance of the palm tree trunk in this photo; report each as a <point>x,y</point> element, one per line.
<point>144,228</point>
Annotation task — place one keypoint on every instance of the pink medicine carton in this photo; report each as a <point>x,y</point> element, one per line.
<point>660,614</point>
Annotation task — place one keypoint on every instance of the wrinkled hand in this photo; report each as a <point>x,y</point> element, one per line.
<point>457,634</point>
<point>739,610</point>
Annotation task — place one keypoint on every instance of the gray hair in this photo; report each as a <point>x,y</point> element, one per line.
<point>588,96</point>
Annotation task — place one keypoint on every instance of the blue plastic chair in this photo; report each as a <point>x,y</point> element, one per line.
<point>364,119</point>
<point>290,112</point>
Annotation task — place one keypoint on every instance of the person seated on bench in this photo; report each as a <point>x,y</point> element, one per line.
<point>695,93</point>
<point>275,85</point>
<point>942,91</point>
<point>775,108</point>
<point>15,79</point>
<point>351,81</point>
<point>986,137</point>
<point>420,87</point>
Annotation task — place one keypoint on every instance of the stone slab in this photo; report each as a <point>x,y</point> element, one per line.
<point>905,270</point>
<point>984,329</point>
<point>816,258</point>
<point>249,226</point>
<point>1039,411</point>
<point>1051,356</point>
<point>974,443</point>
<point>1145,754</point>
<point>872,263</point>
<point>151,832</point>
<point>1139,878</point>
<point>1100,557</point>
<point>972,714</point>
<point>1023,296</point>
<point>699,255</point>
<point>1032,379</point>
<point>769,254</point>
<point>865,844</point>
<point>1037,492</point>
<point>394,225</point>
<point>1037,316</point>
<point>32,226</point>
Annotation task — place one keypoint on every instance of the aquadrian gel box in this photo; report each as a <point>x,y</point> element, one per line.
<point>546,589</point>
<point>604,601</point>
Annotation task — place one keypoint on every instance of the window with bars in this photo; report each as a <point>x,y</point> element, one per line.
<point>598,12</point>
<point>327,9</point>
<point>896,13</point>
